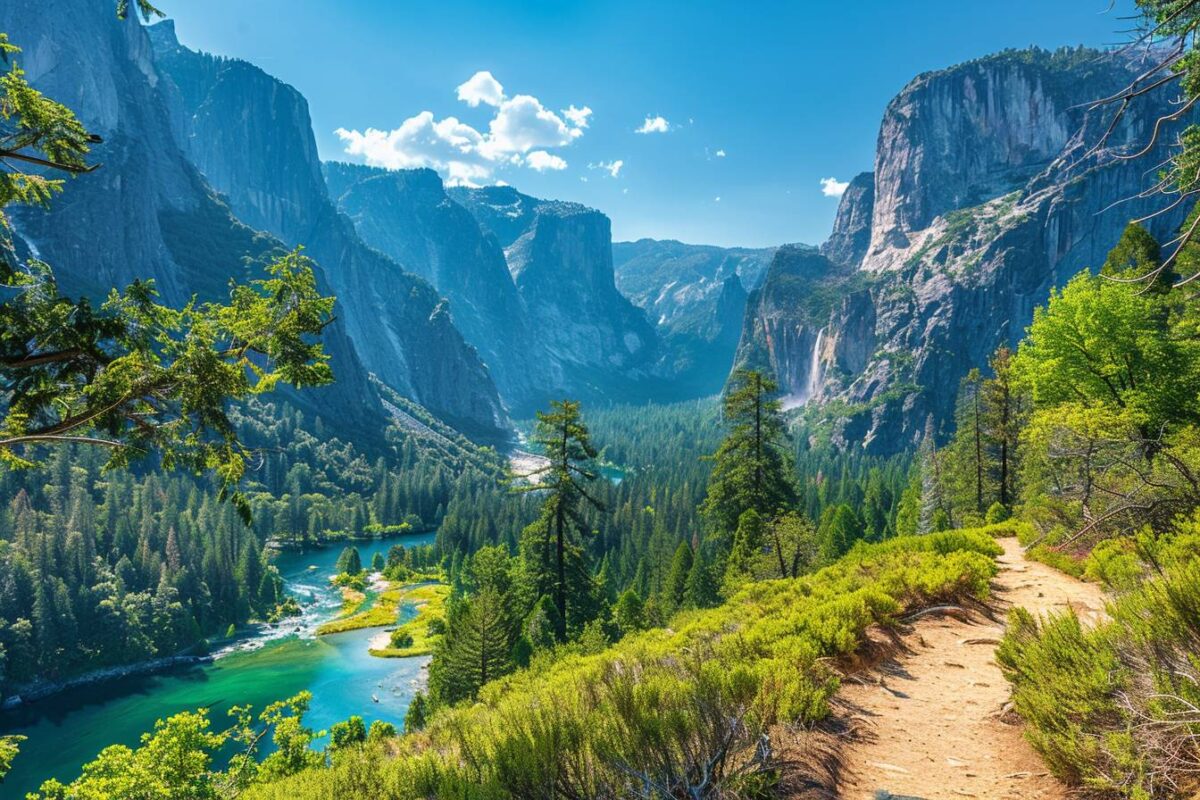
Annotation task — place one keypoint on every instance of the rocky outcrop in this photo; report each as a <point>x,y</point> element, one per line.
<point>852,226</point>
<point>147,212</point>
<point>597,339</point>
<point>987,194</point>
<point>584,338</point>
<point>251,137</point>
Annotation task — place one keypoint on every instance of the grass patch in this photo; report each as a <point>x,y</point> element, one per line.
<point>384,611</point>
<point>430,600</point>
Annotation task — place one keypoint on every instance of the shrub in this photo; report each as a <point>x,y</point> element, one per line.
<point>997,513</point>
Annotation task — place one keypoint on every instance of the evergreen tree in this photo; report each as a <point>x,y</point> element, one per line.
<point>676,586</point>
<point>349,562</point>
<point>555,558</point>
<point>702,591</point>
<point>475,649</point>
<point>752,468</point>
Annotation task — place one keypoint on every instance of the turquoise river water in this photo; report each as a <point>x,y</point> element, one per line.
<point>67,730</point>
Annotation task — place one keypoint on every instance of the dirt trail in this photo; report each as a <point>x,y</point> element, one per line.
<point>930,718</point>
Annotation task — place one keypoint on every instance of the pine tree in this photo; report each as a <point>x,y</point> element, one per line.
<point>752,468</point>
<point>476,648</point>
<point>676,586</point>
<point>702,589</point>
<point>552,547</point>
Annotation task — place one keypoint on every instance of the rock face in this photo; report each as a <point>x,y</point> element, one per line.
<point>251,137</point>
<point>985,196</point>
<point>407,216</point>
<point>696,296</point>
<point>852,226</point>
<point>147,212</point>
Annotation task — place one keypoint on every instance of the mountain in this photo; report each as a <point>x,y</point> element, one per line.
<point>407,216</point>
<point>147,212</point>
<point>986,193</point>
<point>251,137</point>
<point>696,296</point>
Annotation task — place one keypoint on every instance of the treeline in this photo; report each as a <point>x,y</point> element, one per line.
<point>101,568</point>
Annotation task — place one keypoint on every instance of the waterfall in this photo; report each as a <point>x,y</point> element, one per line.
<point>814,369</point>
<point>812,383</point>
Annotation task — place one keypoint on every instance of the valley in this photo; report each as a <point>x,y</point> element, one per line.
<point>368,434</point>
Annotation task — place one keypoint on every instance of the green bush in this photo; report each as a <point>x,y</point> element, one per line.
<point>997,513</point>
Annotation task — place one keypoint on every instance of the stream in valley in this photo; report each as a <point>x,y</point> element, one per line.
<point>67,730</point>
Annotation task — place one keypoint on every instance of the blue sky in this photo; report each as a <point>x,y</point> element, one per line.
<point>759,100</point>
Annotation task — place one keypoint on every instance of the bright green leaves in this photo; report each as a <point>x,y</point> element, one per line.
<point>138,377</point>
<point>35,133</point>
<point>144,7</point>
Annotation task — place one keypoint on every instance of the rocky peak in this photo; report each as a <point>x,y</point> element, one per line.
<point>852,226</point>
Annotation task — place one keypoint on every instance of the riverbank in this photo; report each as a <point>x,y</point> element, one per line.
<point>429,604</point>
<point>31,693</point>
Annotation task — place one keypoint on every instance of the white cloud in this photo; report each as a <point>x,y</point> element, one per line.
<point>520,132</point>
<point>832,187</point>
<point>577,116</point>
<point>523,123</point>
<point>720,154</point>
<point>654,125</point>
<point>481,88</point>
<point>613,168</point>
<point>541,161</point>
<point>717,199</point>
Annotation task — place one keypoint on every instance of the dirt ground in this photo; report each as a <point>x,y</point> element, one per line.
<point>929,722</point>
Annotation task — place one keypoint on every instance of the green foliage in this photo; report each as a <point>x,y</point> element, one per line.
<point>656,706</point>
<point>752,467</point>
<point>175,760</point>
<point>134,376</point>
<point>350,732</point>
<point>1112,709</point>
<point>9,747</point>
<point>349,562</point>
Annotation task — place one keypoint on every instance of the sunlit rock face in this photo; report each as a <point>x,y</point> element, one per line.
<point>251,137</point>
<point>984,196</point>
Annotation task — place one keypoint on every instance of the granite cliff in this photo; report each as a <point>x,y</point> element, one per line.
<point>985,194</point>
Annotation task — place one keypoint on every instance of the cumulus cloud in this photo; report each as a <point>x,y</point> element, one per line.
<point>541,161</point>
<point>654,125</point>
<point>720,154</point>
<point>481,88</point>
<point>832,187</point>
<point>577,116</point>
<point>521,132</point>
<point>613,168</point>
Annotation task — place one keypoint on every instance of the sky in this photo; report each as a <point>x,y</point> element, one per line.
<point>728,123</point>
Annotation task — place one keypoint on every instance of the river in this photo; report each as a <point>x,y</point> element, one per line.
<point>67,730</point>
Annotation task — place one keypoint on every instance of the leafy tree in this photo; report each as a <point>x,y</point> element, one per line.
<point>9,746</point>
<point>349,732</point>
<point>554,557</point>
<point>349,562</point>
<point>1106,344</point>
<point>133,376</point>
<point>752,467</point>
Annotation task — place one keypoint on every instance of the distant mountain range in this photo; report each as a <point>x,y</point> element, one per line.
<point>484,304</point>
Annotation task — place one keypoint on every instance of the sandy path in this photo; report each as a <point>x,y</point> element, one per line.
<point>929,718</point>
